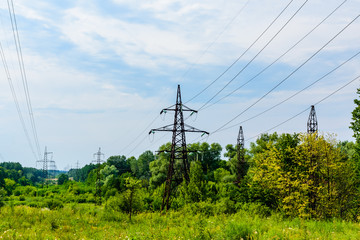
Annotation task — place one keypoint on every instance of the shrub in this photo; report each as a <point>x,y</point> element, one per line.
<point>53,204</point>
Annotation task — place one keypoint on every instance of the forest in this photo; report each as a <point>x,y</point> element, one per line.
<point>287,186</point>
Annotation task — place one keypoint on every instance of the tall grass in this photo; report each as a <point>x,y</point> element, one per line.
<point>86,221</point>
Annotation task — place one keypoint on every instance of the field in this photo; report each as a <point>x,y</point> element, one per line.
<point>86,221</point>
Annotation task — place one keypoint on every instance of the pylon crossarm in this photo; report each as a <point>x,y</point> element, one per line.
<point>183,108</point>
<point>168,109</point>
<point>167,128</point>
<point>192,129</point>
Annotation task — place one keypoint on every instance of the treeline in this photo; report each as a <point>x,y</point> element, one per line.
<point>298,175</point>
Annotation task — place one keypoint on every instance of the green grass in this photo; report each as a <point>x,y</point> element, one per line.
<point>86,221</point>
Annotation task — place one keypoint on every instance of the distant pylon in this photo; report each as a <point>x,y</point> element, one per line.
<point>312,124</point>
<point>98,162</point>
<point>240,164</point>
<point>45,163</point>
<point>178,146</point>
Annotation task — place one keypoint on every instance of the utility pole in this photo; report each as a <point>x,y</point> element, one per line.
<point>178,146</point>
<point>99,155</point>
<point>45,163</point>
<point>312,124</point>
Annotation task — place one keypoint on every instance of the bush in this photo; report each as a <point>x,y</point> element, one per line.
<point>53,204</point>
<point>225,205</point>
<point>35,205</point>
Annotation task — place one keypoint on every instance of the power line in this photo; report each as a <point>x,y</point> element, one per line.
<point>295,94</point>
<point>138,136</point>
<point>286,78</point>
<point>277,33</point>
<point>21,118</point>
<point>23,72</point>
<point>282,55</point>
<point>305,110</point>
<point>257,39</point>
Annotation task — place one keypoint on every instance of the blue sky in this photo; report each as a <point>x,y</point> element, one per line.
<point>99,72</point>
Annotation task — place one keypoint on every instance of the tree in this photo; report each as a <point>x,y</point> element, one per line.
<point>143,163</point>
<point>120,162</point>
<point>63,178</point>
<point>9,185</point>
<point>159,167</point>
<point>130,196</point>
<point>238,167</point>
<point>355,126</point>
<point>318,181</point>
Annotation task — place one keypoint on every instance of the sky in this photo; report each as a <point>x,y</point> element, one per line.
<point>98,73</point>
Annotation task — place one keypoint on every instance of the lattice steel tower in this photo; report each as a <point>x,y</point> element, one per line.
<point>178,146</point>
<point>99,155</point>
<point>312,124</point>
<point>45,163</point>
<point>240,164</point>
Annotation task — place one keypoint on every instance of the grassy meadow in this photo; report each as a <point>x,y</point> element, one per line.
<point>87,221</point>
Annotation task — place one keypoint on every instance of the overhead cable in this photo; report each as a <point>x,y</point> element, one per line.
<point>23,73</point>
<point>286,78</point>
<point>282,55</point>
<point>257,39</point>
<point>295,94</point>
<point>277,33</point>
<point>323,99</point>
<point>141,134</point>
<point>18,109</point>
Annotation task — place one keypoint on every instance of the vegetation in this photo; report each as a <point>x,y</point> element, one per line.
<point>288,186</point>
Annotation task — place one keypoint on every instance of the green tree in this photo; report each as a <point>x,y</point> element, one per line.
<point>238,166</point>
<point>131,196</point>
<point>313,184</point>
<point>195,186</point>
<point>355,126</point>
<point>159,167</point>
<point>63,178</point>
<point>120,162</point>
<point>10,185</point>
<point>143,164</point>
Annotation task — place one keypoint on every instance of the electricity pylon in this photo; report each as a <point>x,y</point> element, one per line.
<point>178,145</point>
<point>312,124</point>
<point>240,165</point>
<point>51,169</point>
<point>45,163</point>
<point>99,155</point>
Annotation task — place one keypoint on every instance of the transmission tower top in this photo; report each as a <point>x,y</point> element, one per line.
<point>99,157</point>
<point>46,162</point>
<point>240,139</point>
<point>312,124</point>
